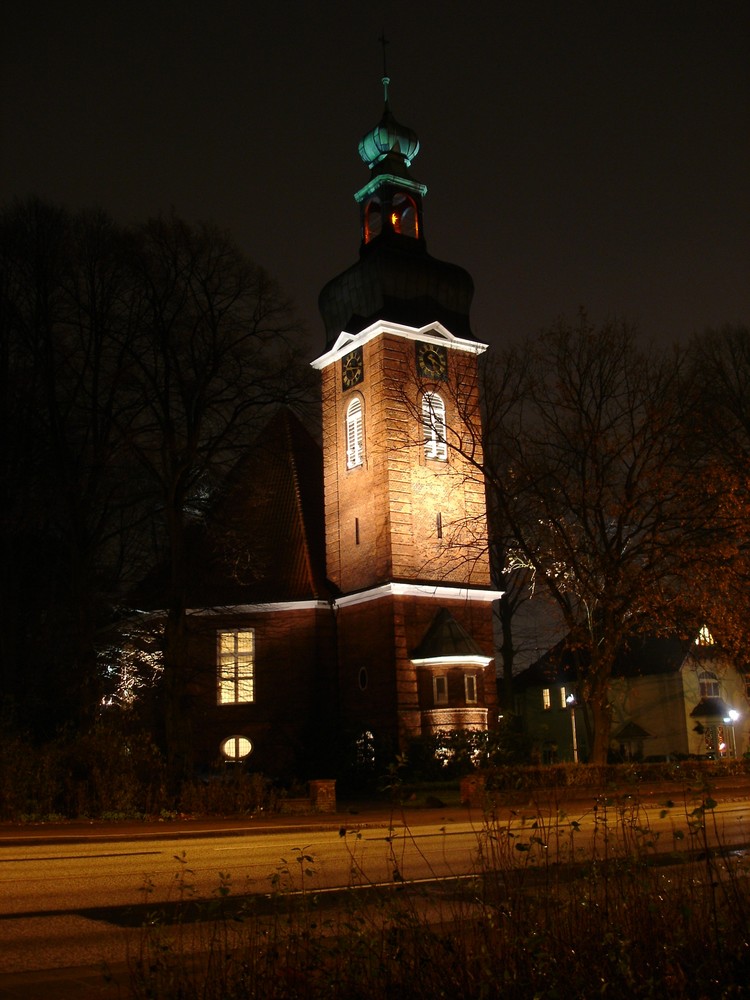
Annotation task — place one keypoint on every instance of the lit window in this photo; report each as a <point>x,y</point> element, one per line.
<point>440,688</point>
<point>354,434</point>
<point>704,637</point>
<point>433,425</point>
<point>470,687</point>
<point>709,684</point>
<point>546,700</point>
<point>236,666</point>
<point>563,698</point>
<point>236,748</point>
<point>404,217</point>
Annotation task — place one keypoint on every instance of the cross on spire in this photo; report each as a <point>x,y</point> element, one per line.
<point>386,80</point>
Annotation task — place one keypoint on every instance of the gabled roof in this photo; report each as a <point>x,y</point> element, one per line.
<point>641,656</point>
<point>710,708</point>
<point>447,639</point>
<point>631,731</point>
<point>263,540</point>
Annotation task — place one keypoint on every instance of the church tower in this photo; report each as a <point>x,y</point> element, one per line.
<point>405,509</point>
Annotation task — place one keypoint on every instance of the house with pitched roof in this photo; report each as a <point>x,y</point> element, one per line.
<point>669,698</point>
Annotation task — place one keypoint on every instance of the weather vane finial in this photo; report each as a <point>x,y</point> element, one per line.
<point>386,79</point>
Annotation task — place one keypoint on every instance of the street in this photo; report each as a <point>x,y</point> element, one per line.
<point>78,902</point>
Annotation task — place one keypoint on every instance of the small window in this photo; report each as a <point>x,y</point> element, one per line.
<point>373,220</point>
<point>404,218</point>
<point>433,426</point>
<point>470,688</point>
<point>546,699</point>
<point>563,698</point>
<point>440,689</point>
<point>236,666</point>
<point>709,684</point>
<point>236,748</point>
<point>354,434</point>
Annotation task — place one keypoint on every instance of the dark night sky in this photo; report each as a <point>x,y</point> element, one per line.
<point>576,153</point>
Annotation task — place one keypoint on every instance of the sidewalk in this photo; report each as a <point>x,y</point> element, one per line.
<point>347,816</point>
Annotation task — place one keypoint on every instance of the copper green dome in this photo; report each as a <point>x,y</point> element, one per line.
<point>388,137</point>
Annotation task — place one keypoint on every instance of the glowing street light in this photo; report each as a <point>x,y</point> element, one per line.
<point>571,703</point>
<point>729,721</point>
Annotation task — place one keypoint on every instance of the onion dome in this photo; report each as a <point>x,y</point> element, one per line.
<point>388,137</point>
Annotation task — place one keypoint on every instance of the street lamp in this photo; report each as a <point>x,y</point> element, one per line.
<point>729,721</point>
<point>571,703</point>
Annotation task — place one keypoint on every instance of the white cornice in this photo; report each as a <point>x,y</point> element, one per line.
<point>257,609</point>
<point>445,661</point>
<point>419,590</point>
<point>433,333</point>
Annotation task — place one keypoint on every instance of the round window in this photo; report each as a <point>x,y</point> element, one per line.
<point>236,748</point>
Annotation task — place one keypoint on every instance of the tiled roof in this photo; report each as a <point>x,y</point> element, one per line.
<point>445,637</point>
<point>643,655</point>
<point>263,541</point>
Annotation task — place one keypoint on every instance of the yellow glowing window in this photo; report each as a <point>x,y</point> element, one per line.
<point>236,666</point>
<point>404,218</point>
<point>236,748</point>
<point>546,699</point>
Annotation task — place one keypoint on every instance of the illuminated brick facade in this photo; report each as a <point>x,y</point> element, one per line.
<point>405,510</point>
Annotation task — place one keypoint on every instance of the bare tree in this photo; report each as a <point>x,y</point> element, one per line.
<point>719,394</point>
<point>63,318</point>
<point>216,344</point>
<point>586,469</point>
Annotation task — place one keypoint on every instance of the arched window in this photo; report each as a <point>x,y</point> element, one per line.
<point>354,434</point>
<point>709,683</point>
<point>404,218</point>
<point>373,219</point>
<point>433,424</point>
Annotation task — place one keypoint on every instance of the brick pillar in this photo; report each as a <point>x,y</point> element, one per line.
<point>323,795</point>
<point>472,790</point>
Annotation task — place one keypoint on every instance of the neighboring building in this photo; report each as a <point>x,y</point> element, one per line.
<point>348,596</point>
<point>669,698</point>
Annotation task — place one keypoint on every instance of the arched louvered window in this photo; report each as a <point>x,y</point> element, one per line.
<point>354,434</point>
<point>433,424</point>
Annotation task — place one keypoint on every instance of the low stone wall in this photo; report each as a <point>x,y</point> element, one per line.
<point>475,793</point>
<point>321,798</point>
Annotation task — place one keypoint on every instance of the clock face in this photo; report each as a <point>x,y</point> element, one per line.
<point>352,369</point>
<point>432,361</point>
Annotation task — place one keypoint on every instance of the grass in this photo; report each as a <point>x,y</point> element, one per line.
<point>543,916</point>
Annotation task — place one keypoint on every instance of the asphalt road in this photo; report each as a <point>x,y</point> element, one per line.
<point>73,898</point>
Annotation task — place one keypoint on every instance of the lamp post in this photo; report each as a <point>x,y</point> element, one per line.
<point>571,703</point>
<point>729,722</point>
